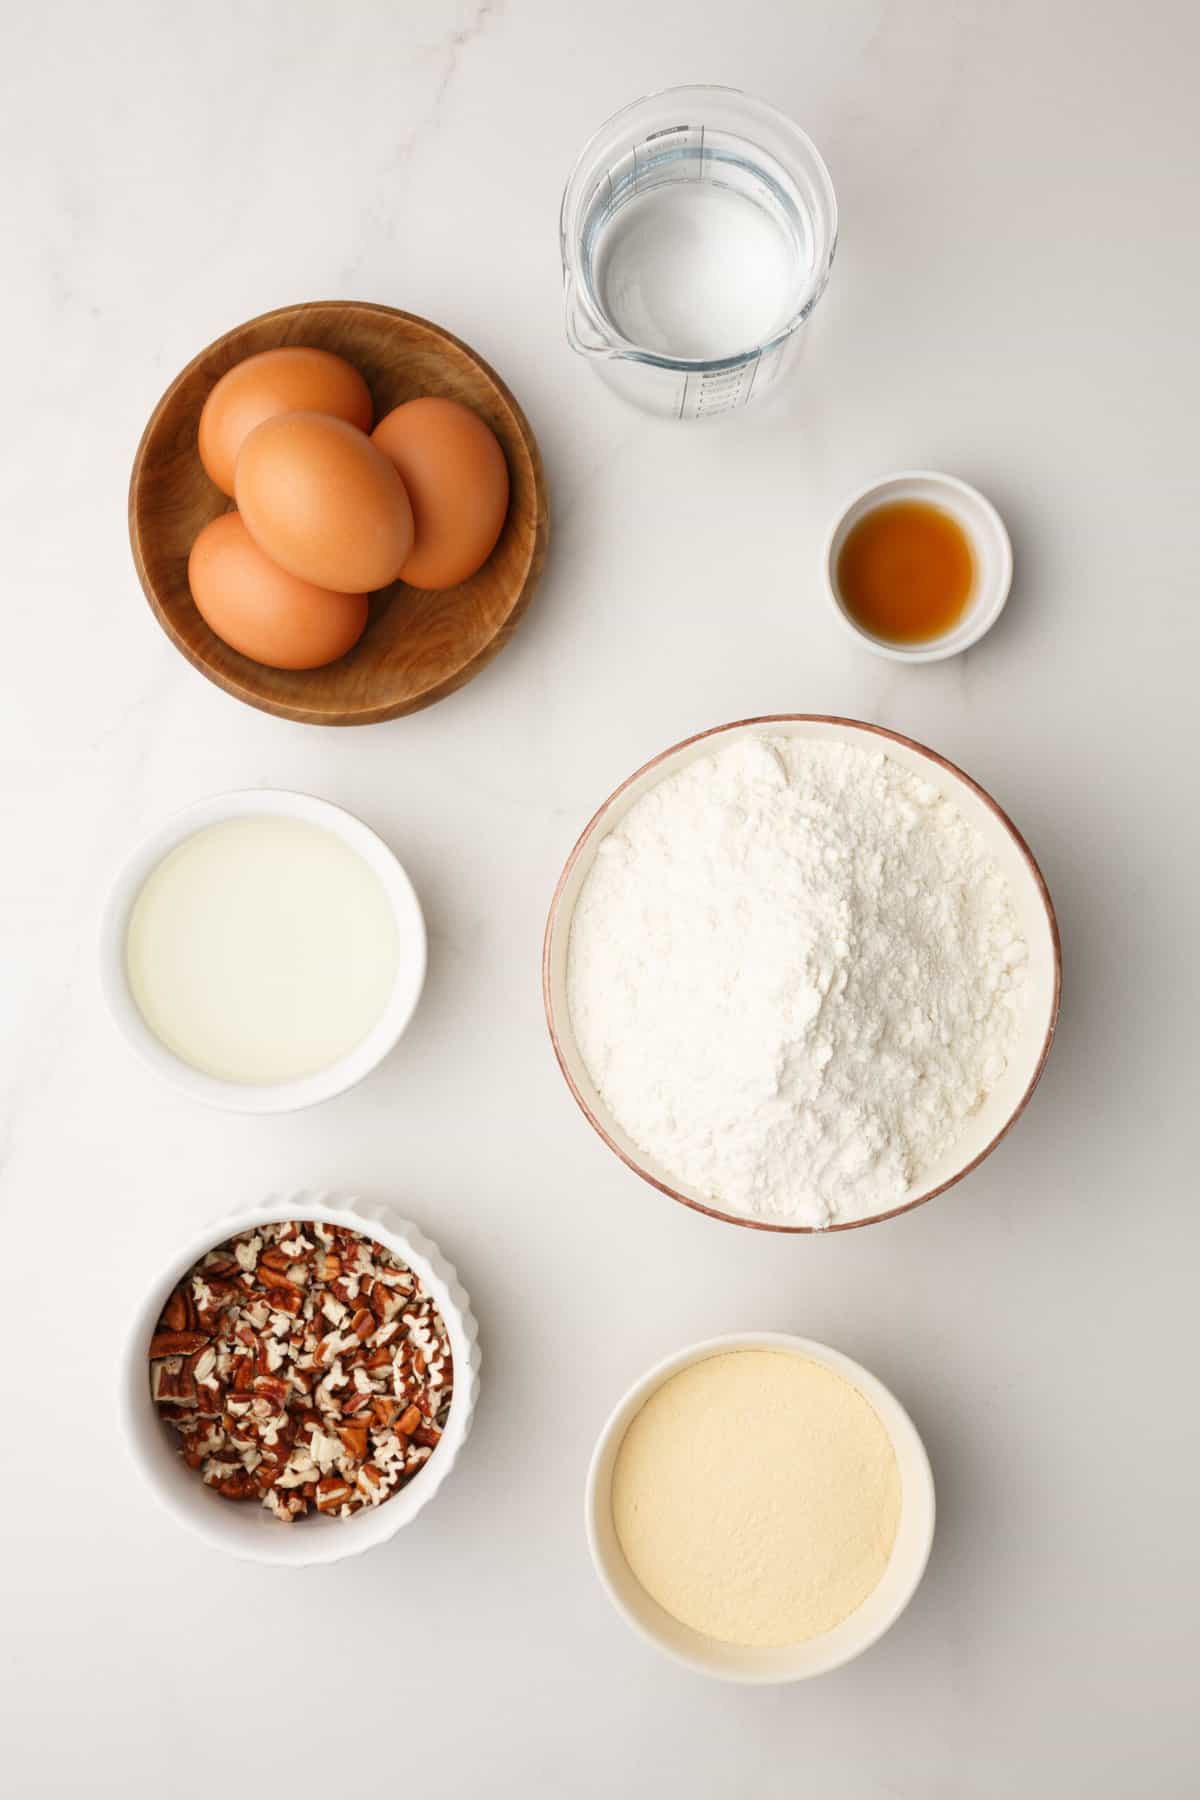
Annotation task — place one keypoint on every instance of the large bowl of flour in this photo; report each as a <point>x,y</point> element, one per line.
<point>801,973</point>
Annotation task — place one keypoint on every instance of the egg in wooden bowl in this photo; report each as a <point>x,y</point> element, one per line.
<point>419,644</point>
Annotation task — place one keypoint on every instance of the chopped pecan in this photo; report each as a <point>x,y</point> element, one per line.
<point>354,1437</point>
<point>210,1398</point>
<point>176,1343</point>
<point>272,1389</point>
<point>282,1297</point>
<point>332,1492</point>
<point>285,1507</point>
<point>175,1312</point>
<point>370,1482</point>
<point>383,1411</point>
<point>395,1276</point>
<point>231,1479</point>
<point>269,1357</point>
<point>171,1381</point>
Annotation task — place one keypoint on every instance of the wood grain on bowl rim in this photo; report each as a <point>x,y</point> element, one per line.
<point>419,646</point>
<point>895,737</point>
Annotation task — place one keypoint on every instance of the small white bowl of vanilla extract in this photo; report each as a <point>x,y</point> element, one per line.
<point>918,566</point>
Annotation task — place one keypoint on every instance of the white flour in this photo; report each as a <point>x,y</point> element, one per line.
<point>794,970</point>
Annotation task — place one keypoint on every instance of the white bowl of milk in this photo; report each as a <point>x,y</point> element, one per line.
<point>262,950</point>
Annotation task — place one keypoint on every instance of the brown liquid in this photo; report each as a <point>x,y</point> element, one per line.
<point>905,572</point>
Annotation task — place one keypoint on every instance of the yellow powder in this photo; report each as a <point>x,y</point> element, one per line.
<point>756,1497</point>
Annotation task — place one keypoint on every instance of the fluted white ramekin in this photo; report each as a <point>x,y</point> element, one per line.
<point>244,1528</point>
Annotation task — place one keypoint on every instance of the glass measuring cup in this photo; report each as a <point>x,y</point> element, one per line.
<point>697,233</point>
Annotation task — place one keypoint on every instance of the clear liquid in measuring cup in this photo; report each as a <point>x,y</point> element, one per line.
<point>694,251</point>
<point>695,271</point>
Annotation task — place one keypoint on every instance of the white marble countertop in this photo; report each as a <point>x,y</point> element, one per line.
<point>1014,300</point>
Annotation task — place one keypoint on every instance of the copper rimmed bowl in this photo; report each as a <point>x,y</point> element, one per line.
<point>1031,900</point>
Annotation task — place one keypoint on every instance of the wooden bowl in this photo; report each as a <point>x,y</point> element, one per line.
<point>983,1130</point>
<point>418,646</point>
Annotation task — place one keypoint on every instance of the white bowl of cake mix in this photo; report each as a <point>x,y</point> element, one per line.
<point>760,1507</point>
<point>262,950</point>
<point>801,973</point>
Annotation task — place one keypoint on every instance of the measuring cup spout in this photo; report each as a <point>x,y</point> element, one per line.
<point>581,332</point>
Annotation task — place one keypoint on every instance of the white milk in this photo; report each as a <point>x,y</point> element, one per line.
<point>261,950</point>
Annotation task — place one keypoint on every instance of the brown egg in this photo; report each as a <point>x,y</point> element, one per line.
<point>457,480</point>
<point>258,608</point>
<point>276,381</point>
<point>324,503</point>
